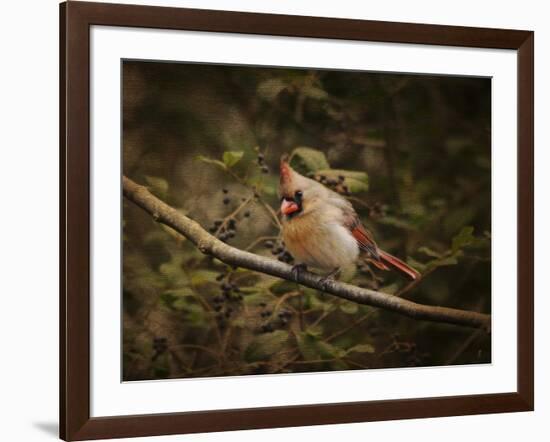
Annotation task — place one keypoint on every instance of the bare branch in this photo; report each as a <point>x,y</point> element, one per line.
<point>210,245</point>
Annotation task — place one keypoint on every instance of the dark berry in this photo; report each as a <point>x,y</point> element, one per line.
<point>226,200</point>
<point>265,169</point>
<point>268,244</point>
<point>284,314</point>
<point>267,328</point>
<point>225,190</point>
<point>220,277</point>
<point>218,222</point>
<point>246,214</point>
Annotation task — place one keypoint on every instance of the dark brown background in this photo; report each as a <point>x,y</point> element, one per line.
<point>424,142</point>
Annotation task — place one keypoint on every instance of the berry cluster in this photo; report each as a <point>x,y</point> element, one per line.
<point>271,323</point>
<point>228,301</point>
<point>227,229</point>
<point>338,185</point>
<point>160,345</point>
<point>261,163</point>
<point>278,249</point>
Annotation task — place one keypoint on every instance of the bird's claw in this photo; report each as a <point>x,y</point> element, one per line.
<point>328,279</point>
<point>325,282</point>
<point>296,269</point>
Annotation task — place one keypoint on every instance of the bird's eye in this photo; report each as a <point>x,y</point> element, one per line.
<point>298,194</point>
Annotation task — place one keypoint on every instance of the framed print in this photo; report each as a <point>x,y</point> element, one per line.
<point>275,220</point>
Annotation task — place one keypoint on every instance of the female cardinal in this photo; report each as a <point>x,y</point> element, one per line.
<point>322,230</point>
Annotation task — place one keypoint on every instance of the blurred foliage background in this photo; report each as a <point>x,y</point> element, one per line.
<point>412,152</point>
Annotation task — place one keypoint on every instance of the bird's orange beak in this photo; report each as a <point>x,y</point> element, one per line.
<point>288,207</point>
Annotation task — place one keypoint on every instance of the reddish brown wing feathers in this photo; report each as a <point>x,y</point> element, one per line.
<point>377,257</point>
<point>365,241</point>
<point>398,264</point>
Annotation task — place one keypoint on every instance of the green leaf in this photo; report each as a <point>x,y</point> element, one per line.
<point>442,262</point>
<point>349,307</point>
<point>315,93</point>
<point>231,157</point>
<point>160,372</point>
<point>313,301</point>
<point>312,159</point>
<point>361,348</point>
<point>429,252</point>
<point>282,286</point>
<point>211,161</point>
<point>270,89</point>
<point>193,313</point>
<point>416,265</point>
<point>167,299</point>
<point>312,347</point>
<point>172,271</point>
<point>255,299</point>
<point>264,346</point>
<point>463,239</point>
<point>200,277</point>
<point>355,181</point>
<point>315,331</point>
<point>157,185</point>
<point>455,219</point>
<point>181,292</point>
<point>394,287</point>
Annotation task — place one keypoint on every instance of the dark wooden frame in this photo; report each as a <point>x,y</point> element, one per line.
<point>75,21</point>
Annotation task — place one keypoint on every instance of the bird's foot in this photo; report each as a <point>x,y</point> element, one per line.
<point>328,279</point>
<point>296,269</point>
<point>325,282</point>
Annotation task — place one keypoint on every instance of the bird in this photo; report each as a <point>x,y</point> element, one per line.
<point>321,229</point>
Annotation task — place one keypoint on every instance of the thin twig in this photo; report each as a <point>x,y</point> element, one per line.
<point>349,327</point>
<point>260,240</point>
<point>235,212</point>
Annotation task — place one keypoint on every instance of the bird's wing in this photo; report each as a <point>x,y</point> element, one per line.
<point>362,236</point>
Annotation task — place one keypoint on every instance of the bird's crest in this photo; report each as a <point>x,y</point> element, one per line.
<point>285,170</point>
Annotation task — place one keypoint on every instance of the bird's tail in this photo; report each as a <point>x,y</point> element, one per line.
<point>398,264</point>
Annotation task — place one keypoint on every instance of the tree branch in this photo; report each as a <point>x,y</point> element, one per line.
<point>210,245</point>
